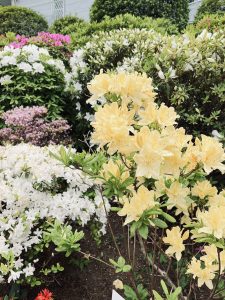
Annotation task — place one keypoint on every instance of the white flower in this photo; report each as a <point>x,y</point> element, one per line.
<point>25,67</point>
<point>5,80</point>
<point>161,75</point>
<point>38,68</point>
<point>29,270</point>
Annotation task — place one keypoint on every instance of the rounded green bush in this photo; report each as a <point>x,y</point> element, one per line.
<point>210,7</point>
<point>82,33</point>
<point>176,10</point>
<point>59,25</point>
<point>21,20</point>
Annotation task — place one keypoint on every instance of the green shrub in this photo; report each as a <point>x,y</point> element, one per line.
<point>176,10</point>
<point>7,38</point>
<point>210,7</point>
<point>81,34</point>
<point>187,71</point>
<point>30,76</point>
<point>59,25</point>
<point>212,23</point>
<point>21,20</point>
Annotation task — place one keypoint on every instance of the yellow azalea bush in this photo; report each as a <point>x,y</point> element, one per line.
<point>165,171</point>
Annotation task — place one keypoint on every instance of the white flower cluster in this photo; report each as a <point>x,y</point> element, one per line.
<point>30,58</point>
<point>23,205</point>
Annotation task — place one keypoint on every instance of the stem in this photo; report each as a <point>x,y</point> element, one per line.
<point>153,258</point>
<point>134,251</point>
<point>218,277</point>
<point>110,227</point>
<point>159,270</point>
<point>86,255</point>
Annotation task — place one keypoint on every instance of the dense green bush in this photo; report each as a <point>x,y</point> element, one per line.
<point>30,76</point>
<point>59,25</point>
<point>176,10</point>
<point>187,71</point>
<point>212,23</point>
<point>21,20</point>
<point>210,7</point>
<point>82,33</point>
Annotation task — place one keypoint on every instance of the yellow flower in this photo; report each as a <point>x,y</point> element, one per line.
<point>212,154</point>
<point>164,116</point>
<point>173,164</point>
<point>191,157</point>
<point>177,196</point>
<point>211,255</point>
<point>151,154</point>
<point>205,276</point>
<point>203,188</point>
<point>142,200</point>
<point>99,86</point>
<point>118,284</point>
<point>135,88</point>
<point>175,239</point>
<point>112,168</point>
<point>217,200</point>
<point>112,125</point>
<point>213,221</point>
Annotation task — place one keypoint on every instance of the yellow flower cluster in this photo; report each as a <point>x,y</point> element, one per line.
<point>136,126</point>
<point>161,158</point>
<point>175,238</point>
<point>131,87</point>
<point>141,200</point>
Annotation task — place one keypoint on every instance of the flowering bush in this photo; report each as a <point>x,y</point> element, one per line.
<point>106,51</point>
<point>156,175</point>
<point>29,125</point>
<point>40,201</point>
<point>188,71</point>
<point>57,44</point>
<point>44,295</point>
<point>31,76</point>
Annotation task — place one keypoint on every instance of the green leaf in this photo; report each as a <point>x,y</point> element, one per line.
<point>157,296</point>
<point>143,230</point>
<point>164,287</point>
<point>168,217</point>
<point>159,223</point>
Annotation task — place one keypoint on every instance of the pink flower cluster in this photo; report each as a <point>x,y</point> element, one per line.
<point>42,39</point>
<point>29,125</point>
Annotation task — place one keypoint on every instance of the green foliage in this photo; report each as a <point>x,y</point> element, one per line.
<point>64,238</point>
<point>82,33</point>
<point>60,24</point>
<point>130,294</point>
<point>169,295</point>
<point>175,10</point>
<point>21,20</point>
<point>211,22</point>
<point>120,265</point>
<point>6,39</point>
<point>210,7</point>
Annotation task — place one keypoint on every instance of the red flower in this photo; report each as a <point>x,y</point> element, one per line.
<point>44,295</point>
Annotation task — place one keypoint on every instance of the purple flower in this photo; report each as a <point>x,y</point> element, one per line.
<point>28,124</point>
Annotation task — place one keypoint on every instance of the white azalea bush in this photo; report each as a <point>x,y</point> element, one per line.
<point>157,178</point>
<point>31,76</point>
<point>43,207</point>
<point>187,71</point>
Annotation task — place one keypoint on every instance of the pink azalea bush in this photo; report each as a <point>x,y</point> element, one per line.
<point>28,124</point>
<point>57,44</point>
<point>43,38</point>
